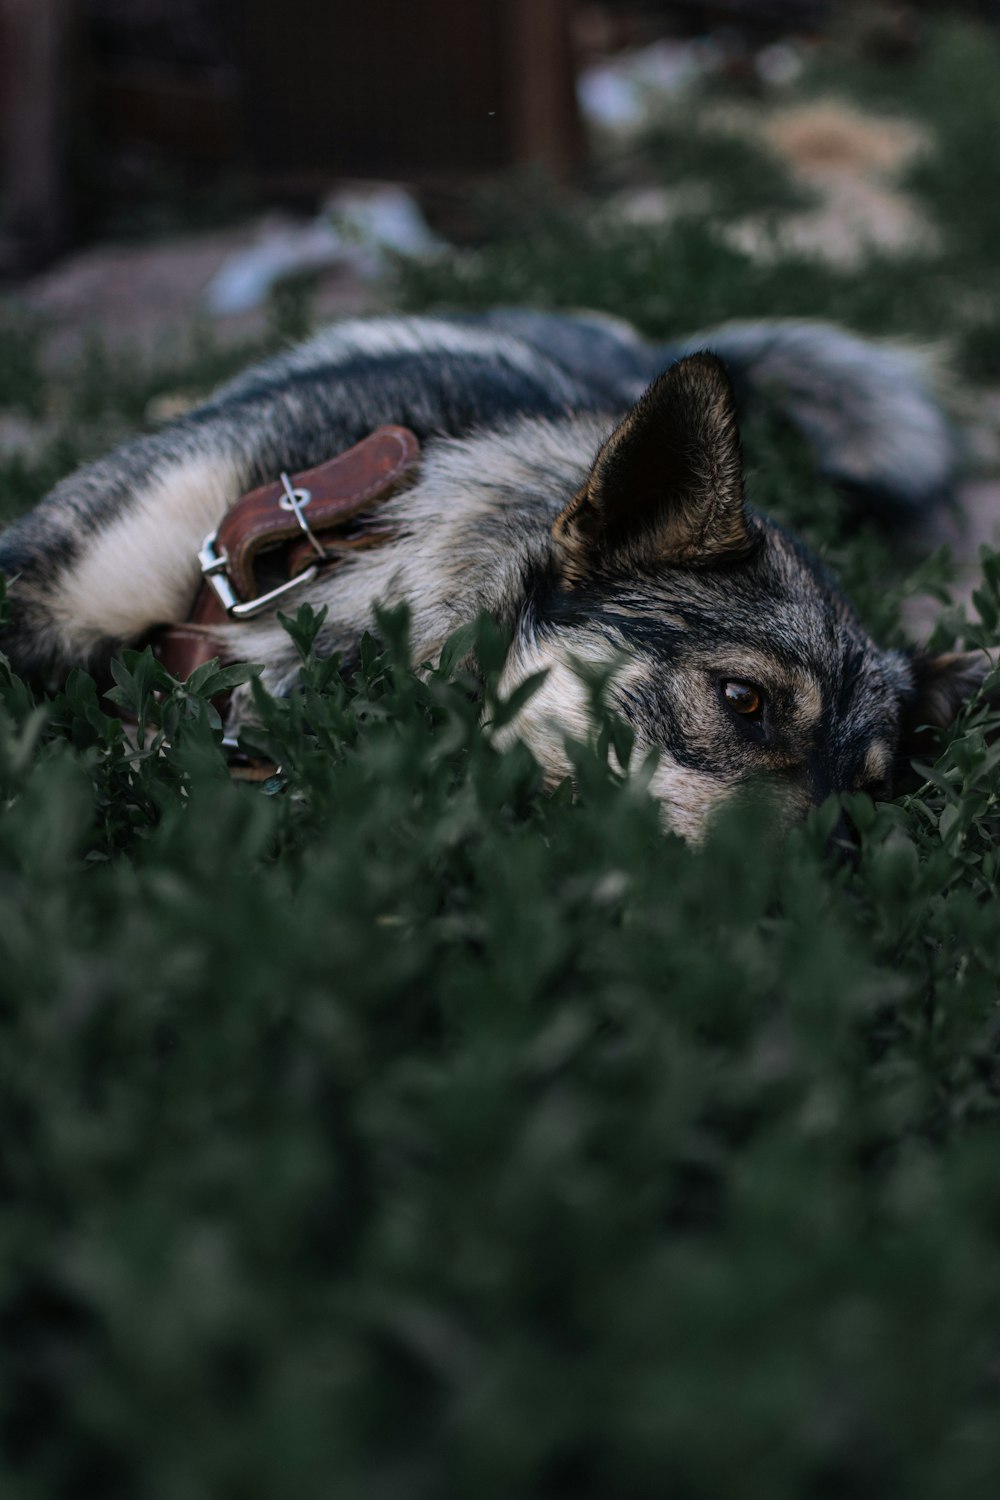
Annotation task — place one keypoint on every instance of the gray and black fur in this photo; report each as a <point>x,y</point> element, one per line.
<point>581,485</point>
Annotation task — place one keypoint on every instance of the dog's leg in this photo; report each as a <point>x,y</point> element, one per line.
<point>112,550</point>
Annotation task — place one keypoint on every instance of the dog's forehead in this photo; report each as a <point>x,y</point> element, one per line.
<point>790,614</point>
<point>797,613</point>
<point>774,617</point>
<point>777,620</point>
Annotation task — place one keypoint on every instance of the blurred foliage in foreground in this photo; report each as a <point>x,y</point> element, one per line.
<point>397,1130</point>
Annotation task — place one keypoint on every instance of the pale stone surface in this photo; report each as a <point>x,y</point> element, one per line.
<point>148,297</point>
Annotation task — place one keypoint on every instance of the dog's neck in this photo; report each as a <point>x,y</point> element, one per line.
<point>474,535</point>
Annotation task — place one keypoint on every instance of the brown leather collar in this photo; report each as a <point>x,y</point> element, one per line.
<point>280,536</point>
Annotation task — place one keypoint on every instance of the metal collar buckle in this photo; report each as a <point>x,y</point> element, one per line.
<point>215,565</point>
<point>296,501</point>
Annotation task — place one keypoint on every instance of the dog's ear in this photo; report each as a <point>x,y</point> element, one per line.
<point>667,486</point>
<point>941,685</point>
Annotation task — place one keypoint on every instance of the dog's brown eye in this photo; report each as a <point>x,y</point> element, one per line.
<point>742,698</point>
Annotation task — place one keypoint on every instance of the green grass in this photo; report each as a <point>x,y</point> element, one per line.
<point>399,1130</point>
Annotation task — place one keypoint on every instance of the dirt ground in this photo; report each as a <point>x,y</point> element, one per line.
<point>149,296</point>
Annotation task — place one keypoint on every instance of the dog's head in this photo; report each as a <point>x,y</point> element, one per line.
<point>741,660</point>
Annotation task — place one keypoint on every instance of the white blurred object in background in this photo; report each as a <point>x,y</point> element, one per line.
<point>357,229</point>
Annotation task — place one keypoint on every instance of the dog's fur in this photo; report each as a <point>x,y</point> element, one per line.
<point>583,487</point>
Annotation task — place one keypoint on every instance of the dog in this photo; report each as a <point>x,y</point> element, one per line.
<point>582,486</point>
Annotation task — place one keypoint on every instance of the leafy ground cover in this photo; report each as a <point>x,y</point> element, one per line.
<point>398,1130</point>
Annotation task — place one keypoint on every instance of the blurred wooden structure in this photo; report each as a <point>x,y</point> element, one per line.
<point>296,94</point>
<point>33,201</point>
<point>393,88</point>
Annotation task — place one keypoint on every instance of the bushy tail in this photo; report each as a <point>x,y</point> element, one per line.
<point>866,408</point>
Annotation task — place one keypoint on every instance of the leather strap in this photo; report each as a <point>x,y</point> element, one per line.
<point>332,500</point>
<point>338,490</point>
<point>185,647</point>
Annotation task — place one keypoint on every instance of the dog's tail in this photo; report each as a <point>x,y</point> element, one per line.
<point>867,409</point>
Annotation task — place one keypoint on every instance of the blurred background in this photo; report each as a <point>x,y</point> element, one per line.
<point>166,157</point>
